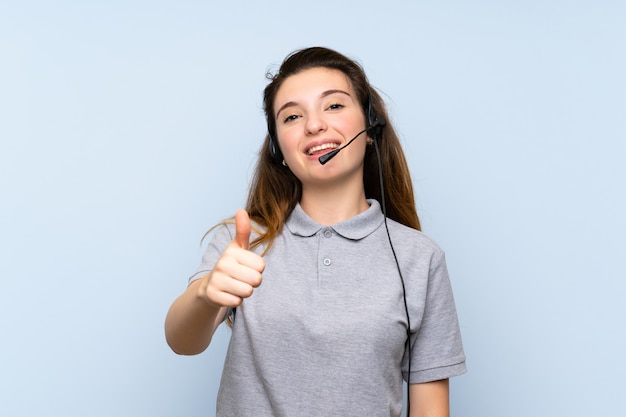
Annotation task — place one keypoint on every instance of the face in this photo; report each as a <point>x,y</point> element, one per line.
<point>317,111</point>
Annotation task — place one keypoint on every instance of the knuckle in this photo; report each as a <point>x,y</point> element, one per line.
<point>248,291</point>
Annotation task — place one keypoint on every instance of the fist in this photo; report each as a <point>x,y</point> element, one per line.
<point>238,271</point>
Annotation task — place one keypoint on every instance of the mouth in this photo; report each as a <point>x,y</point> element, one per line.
<point>321,148</point>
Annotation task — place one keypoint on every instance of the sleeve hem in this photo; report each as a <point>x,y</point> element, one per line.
<point>435,374</point>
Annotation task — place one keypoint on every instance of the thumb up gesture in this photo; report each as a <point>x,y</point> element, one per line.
<point>238,271</point>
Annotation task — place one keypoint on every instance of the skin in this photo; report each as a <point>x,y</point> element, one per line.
<point>430,399</point>
<point>194,316</point>
<point>313,108</point>
<point>316,107</point>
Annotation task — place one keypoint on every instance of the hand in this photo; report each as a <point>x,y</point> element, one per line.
<point>238,271</point>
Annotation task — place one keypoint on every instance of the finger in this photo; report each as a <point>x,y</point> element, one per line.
<point>225,290</point>
<point>211,290</point>
<point>248,259</point>
<point>222,297</point>
<point>242,229</point>
<point>225,299</point>
<point>242,265</point>
<point>237,288</point>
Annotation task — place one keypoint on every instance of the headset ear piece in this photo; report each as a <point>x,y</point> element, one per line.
<point>274,150</point>
<point>378,121</point>
<point>374,120</point>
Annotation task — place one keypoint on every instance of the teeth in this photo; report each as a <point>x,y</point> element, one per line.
<point>322,147</point>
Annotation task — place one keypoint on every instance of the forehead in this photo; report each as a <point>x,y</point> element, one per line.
<point>312,82</point>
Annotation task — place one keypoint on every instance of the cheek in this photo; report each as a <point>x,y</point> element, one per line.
<point>288,143</point>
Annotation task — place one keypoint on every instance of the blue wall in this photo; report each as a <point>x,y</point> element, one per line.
<point>128,128</point>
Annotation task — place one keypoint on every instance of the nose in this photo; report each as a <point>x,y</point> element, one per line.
<point>315,123</point>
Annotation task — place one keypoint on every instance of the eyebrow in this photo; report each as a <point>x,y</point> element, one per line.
<point>324,94</point>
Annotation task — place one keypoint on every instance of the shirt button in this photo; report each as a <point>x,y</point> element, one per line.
<point>327,261</point>
<point>328,233</point>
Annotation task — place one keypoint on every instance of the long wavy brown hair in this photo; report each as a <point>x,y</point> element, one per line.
<point>275,190</point>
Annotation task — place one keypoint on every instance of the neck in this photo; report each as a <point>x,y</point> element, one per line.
<point>333,205</point>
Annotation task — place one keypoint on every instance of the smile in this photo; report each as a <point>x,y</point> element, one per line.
<point>321,147</point>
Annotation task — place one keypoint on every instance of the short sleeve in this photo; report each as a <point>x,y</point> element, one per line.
<point>437,349</point>
<point>220,239</point>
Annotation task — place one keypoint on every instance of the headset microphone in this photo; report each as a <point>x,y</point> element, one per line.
<point>330,155</point>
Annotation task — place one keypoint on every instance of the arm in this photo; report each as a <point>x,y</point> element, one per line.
<point>191,320</point>
<point>430,399</point>
<point>194,316</point>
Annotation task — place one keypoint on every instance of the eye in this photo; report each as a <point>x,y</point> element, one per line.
<point>335,106</point>
<point>290,118</point>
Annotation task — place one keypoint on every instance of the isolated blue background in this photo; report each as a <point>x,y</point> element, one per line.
<point>128,128</point>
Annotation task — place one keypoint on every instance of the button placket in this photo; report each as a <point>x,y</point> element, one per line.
<point>327,261</point>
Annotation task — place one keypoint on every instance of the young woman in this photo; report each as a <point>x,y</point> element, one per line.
<point>333,293</point>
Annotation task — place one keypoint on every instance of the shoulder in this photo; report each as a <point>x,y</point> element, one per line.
<point>223,231</point>
<point>415,240</point>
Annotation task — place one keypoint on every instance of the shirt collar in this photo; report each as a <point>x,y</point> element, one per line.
<point>299,223</point>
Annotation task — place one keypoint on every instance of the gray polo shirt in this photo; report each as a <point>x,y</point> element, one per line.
<point>324,334</point>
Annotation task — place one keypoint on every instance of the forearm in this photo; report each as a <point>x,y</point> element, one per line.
<point>191,322</point>
<point>430,399</point>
